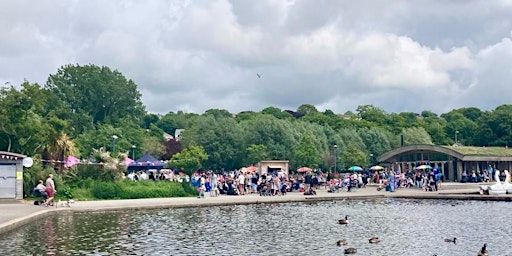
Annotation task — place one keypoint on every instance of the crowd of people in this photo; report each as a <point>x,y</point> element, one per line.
<point>278,183</point>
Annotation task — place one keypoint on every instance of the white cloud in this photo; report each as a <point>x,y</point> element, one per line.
<point>197,55</point>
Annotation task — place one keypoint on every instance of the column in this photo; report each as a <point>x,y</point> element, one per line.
<point>459,169</point>
<point>451,172</point>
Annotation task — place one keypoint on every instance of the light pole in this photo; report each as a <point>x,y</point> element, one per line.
<point>335,154</point>
<point>133,152</point>
<point>456,132</point>
<point>371,159</point>
<point>114,138</point>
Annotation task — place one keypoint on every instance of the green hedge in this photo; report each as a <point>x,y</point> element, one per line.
<point>141,189</point>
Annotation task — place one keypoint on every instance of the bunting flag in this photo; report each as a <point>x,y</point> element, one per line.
<point>72,160</point>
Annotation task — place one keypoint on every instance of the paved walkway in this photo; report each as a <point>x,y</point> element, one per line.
<point>14,213</point>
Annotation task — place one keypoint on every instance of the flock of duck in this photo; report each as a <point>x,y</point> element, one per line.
<point>374,240</point>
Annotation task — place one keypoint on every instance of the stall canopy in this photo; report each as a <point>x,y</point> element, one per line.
<point>146,162</point>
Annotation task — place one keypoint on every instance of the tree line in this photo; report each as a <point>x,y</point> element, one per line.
<point>88,110</point>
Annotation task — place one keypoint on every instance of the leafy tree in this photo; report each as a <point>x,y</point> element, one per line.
<point>218,113</point>
<point>306,153</point>
<point>416,135</point>
<point>372,114</point>
<point>306,109</point>
<point>353,156</point>
<point>22,128</point>
<point>275,134</point>
<point>148,120</point>
<point>190,159</point>
<point>172,146</point>
<point>256,153</point>
<point>376,140</point>
<point>222,140</point>
<point>98,92</point>
<point>277,113</point>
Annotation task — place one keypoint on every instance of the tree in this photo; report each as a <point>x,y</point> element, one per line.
<point>306,153</point>
<point>416,135</point>
<point>277,113</point>
<point>353,156</point>
<point>218,113</point>
<point>222,140</point>
<point>190,159</point>
<point>275,134</point>
<point>256,153</point>
<point>98,92</point>
<point>372,114</point>
<point>22,127</point>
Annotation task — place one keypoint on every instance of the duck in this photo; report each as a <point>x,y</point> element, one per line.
<point>451,240</point>
<point>343,221</point>
<point>341,242</point>
<point>350,250</point>
<point>483,251</point>
<point>374,240</point>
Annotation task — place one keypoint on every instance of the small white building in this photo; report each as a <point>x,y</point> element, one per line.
<point>11,175</point>
<point>269,166</point>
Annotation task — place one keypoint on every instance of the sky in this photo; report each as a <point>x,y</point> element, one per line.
<point>191,56</point>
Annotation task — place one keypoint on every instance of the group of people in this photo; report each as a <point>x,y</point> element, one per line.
<point>46,190</point>
<point>428,180</point>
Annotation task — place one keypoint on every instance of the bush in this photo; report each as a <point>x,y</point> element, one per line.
<point>127,189</point>
<point>106,190</point>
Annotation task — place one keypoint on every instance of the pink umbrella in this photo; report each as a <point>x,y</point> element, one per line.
<point>304,169</point>
<point>252,168</point>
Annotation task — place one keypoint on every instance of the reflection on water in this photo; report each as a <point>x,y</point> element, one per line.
<point>406,227</point>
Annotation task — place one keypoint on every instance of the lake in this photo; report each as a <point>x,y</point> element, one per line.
<point>405,227</point>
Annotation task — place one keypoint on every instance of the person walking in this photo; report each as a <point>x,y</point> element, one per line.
<point>50,189</point>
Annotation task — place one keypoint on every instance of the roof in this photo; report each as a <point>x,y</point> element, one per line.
<point>463,153</point>
<point>147,158</point>
<point>482,151</point>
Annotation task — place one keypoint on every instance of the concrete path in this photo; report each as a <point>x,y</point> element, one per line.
<point>14,214</point>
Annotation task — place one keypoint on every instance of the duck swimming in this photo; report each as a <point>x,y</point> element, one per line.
<point>350,250</point>
<point>343,221</point>
<point>374,240</point>
<point>341,242</point>
<point>450,240</point>
<point>483,251</point>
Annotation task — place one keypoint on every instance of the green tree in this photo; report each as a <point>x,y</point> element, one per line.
<point>306,153</point>
<point>256,153</point>
<point>222,140</point>
<point>277,135</point>
<point>416,135</point>
<point>190,159</point>
<point>277,113</point>
<point>353,156</point>
<point>22,127</point>
<point>98,92</point>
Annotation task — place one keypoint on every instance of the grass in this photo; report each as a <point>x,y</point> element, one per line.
<point>486,151</point>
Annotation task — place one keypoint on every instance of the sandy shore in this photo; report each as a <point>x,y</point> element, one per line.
<point>14,214</point>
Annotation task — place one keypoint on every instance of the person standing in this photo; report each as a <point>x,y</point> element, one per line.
<point>50,189</point>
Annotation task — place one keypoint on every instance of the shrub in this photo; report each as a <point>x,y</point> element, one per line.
<point>127,189</point>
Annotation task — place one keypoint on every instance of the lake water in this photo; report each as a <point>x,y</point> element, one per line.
<point>405,227</point>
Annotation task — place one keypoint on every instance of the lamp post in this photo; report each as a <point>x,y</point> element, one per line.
<point>335,155</point>
<point>371,159</point>
<point>133,152</point>
<point>114,138</point>
<point>456,132</point>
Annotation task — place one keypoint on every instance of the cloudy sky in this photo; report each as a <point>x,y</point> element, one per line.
<point>198,55</point>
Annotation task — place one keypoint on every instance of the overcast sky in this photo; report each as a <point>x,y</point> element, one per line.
<point>199,55</point>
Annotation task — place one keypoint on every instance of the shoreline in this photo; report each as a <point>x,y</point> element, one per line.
<point>16,214</point>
